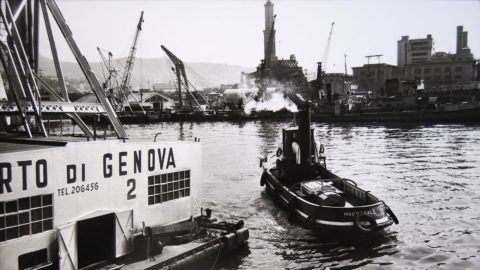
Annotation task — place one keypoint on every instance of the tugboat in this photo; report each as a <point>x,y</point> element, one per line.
<point>300,181</point>
<point>85,200</point>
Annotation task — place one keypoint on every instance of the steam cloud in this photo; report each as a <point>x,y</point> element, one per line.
<point>275,103</point>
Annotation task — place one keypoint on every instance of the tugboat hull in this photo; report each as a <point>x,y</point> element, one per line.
<point>318,217</point>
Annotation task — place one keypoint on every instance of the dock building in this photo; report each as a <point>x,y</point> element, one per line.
<point>414,50</point>
<point>416,60</point>
<point>372,77</point>
<point>438,70</point>
<point>339,83</point>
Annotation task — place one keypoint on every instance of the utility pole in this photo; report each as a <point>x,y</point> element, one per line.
<point>345,75</point>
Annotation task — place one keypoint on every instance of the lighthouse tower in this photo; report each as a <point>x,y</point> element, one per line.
<point>269,31</point>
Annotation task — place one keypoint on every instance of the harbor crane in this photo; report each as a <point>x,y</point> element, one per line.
<point>109,65</point>
<point>127,73</point>
<point>111,85</point>
<point>327,48</point>
<point>179,70</point>
<point>110,82</point>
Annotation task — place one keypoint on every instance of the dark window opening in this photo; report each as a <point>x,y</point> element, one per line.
<point>26,216</point>
<point>169,186</point>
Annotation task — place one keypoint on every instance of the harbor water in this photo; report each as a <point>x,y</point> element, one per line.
<point>428,174</point>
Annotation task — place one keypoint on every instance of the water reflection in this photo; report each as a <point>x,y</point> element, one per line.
<point>426,173</point>
<point>181,133</point>
<point>269,135</point>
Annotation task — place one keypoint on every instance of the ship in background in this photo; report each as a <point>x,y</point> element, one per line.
<point>89,198</point>
<point>424,87</point>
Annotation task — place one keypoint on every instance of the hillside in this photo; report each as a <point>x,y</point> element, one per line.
<point>156,70</point>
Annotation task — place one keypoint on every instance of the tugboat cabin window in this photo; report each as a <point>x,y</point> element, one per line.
<point>168,186</point>
<point>25,216</point>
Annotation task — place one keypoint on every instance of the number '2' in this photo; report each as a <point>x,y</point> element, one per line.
<point>130,195</point>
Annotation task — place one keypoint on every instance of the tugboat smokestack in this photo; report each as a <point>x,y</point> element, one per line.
<point>304,133</point>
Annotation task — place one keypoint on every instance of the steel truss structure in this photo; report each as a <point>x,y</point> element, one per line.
<point>20,22</point>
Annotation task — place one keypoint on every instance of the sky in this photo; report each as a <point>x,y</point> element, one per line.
<point>231,31</point>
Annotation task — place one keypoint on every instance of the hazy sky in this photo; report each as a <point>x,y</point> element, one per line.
<point>231,31</point>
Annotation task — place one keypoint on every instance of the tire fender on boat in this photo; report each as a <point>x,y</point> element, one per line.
<point>365,218</point>
<point>263,179</point>
<point>279,152</point>
<point>291,210</point>
<point>392,215</point>
<point>311,222</point>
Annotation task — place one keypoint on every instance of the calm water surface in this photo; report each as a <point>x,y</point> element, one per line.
<point>428,174</point>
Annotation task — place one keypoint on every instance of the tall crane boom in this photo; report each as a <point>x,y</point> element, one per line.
<point>112,82</point>
<point>108,63</point>
<point>127,73</point>
<point>327,48</point>
<point>180,72</point>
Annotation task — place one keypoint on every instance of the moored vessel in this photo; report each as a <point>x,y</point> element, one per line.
<point>87,201</point>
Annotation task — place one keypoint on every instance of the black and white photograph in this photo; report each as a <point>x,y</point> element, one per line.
<point>239,134</point>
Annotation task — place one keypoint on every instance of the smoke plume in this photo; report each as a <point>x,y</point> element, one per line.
<point>274,103</point>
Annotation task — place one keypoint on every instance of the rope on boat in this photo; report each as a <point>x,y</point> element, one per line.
<point>218,255</point>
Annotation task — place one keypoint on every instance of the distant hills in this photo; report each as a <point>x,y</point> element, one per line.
<point>148,71</point>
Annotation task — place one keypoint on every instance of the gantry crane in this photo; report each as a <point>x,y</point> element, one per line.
<point>179,70</point>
